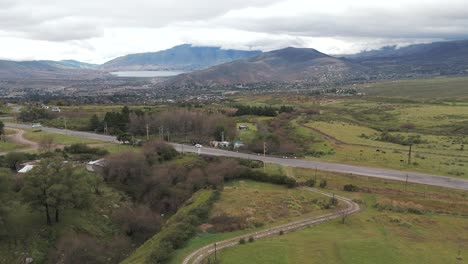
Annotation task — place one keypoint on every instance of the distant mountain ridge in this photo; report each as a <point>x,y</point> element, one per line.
<point>299,65</point>
<point>284,65</point>
<point>289,65</point>
<point>45,69</point>
<point>183,57</point>
<point>437,58</point>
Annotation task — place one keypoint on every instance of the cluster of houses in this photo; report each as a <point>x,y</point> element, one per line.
<point>53,109</point>
<point>226,144</point>
<point>92,166</point>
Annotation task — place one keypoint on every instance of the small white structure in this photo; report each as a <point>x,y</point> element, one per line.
<point>95,165</point>
<point>238,144</point>
<point>243,127</point>
<point>220,144</point>
<point>36,127</point>
<point>56,109</point>
<point>26,168</point>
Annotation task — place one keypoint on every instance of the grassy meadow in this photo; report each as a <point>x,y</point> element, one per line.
<point>398,224</point>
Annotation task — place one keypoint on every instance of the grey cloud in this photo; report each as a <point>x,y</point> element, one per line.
<point>435,20</point>
<point>42,19</point>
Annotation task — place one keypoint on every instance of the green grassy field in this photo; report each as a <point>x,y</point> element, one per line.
<point>262,204</point>
<point>426,89</point>
<point>388,233</point>
<point>247,135</point>
<point>369,237</point>
<point>8,146</point>
<point>60,139</point>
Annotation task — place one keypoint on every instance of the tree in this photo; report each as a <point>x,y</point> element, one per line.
<point>2,130</point>
<point>158,151</point>
<point>94,123</point>
<point>13,159</point>
<point>323,183</point>
<point>5,187</point>
<point>53,184</point>
<point>46,143</point>
<point>124,138</point>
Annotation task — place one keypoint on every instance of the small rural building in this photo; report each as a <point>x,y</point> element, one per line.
<point>96,165</point>
<point>36,127</point>
<point>239,144</point>
<point>26,168</point>
<point>220,144</point>
<point>243,127</point>
<point>56,109</point>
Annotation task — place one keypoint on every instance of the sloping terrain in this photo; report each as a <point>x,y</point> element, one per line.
<point>284,65</point>
<point>182,57</point>
<point>45,70</point>
<point>440,58</point>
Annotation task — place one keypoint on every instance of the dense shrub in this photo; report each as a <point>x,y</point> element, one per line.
<point>401,139</point>
<point>33,114</point>
<point>310,183</point>
<point>81,148</point>
<point>264,177</point>
<point>350,188</point>
<point>138,222</point>
<point>78,248</point>
<point>158,151</point>
<point>323,183</point>
<point>180,228</point>
<point>227,223</point>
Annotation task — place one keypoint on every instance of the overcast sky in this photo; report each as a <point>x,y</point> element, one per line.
<point>99,30</point>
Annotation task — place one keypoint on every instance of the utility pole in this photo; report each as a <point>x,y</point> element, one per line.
<point>65,123</point>
<point>105,128</point>
<point>406,182</point>
<point>215,253</point>
<point>409,153</point>
<point>147,132</point>
<point>315,178</point>
<point>222,136</point>
<point>264,156</point>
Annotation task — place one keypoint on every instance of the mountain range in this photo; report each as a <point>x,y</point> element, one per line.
<point>211,66</point>
<point>284,65</point>
<point>45,69</point>
<point>183,57</point>
<point>308,66</point>
<point>439,58</point>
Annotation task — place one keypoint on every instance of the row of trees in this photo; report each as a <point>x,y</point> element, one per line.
<point>32,114</point>
<point>185,124</point>
<point>277,136</point>
<point>191,125</point>
<point>262,110</point>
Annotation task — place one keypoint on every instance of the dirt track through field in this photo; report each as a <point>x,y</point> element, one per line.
<point>18,138</point>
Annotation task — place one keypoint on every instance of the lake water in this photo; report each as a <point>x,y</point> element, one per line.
<point>146,74</point>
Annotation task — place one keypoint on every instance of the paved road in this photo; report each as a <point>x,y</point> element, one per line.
<point>200,254</point>
<point>435,180</point>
